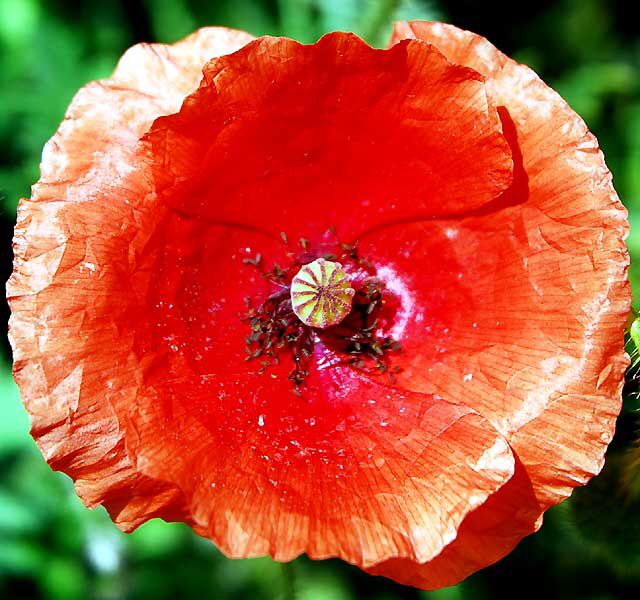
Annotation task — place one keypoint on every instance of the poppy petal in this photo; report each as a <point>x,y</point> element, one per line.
<point>150,80</point>
<point>536,300</point>
<point>488,532</point>
<point>69,264</point>
<point>337,126</point>
<point>247,452</point>
<point>352,469</point>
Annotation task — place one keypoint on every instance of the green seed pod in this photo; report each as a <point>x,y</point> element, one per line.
<point>321,294</point>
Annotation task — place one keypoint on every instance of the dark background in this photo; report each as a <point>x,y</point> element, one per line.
<point>52,547</point>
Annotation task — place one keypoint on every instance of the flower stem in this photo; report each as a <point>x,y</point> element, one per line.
<point>378,20</point>
<point>289,581</point>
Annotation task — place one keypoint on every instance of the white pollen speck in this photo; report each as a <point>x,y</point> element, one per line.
<point>468,377</point>
<point>451,233</point>
<point>383,423</point>
<point>260,420</point>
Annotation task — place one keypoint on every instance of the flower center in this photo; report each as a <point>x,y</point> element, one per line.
<point>321,294</point>
<point>315,301</point>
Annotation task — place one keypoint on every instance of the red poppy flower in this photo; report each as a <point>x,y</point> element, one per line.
<point>473,379</point>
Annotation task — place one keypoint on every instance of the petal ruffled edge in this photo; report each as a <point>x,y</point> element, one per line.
<point>358,470</point>
<point>570,183</point>
<point>150,80</point>
<point>553,471</point>
<point>89,160</point>
<point>311,125</point>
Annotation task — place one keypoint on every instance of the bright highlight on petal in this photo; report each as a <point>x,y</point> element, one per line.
<point>406,381</point>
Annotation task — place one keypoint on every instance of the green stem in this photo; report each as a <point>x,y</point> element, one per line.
<point>379,19</point>
<point>289,581</point>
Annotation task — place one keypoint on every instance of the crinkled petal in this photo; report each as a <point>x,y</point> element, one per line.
<point>77,245</point>
<point>522,316</point>
<point>107,117</point>
<point>350,469</point>
<point>250,455</point>
<point>329,135</point>
<point>490,530</point>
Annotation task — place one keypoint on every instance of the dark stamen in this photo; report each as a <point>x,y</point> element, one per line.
<point>275,329</point>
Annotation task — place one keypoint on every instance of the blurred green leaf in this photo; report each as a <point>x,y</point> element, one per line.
<point>21,556</point>
<point>157,538</point>
<point>64,579</point>
<point>297,19</point>
<point>633,243</point>
<point>378,16</point>
<point>586,88</point>
<point>171,19</point>
<point>18,20</point>
<point>376,21</point>
<point>16,516</point>
<point>418,10</point>
<point>455,592</point>
<point>43,62</point>
<point>322,587</point>
<point>249,15</point>
<point>628,124</point>
<point>14,423</point>
<point>606,516</point>
<point>339,15</point>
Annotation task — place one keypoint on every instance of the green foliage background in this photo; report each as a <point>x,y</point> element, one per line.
<point>52,547</point>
